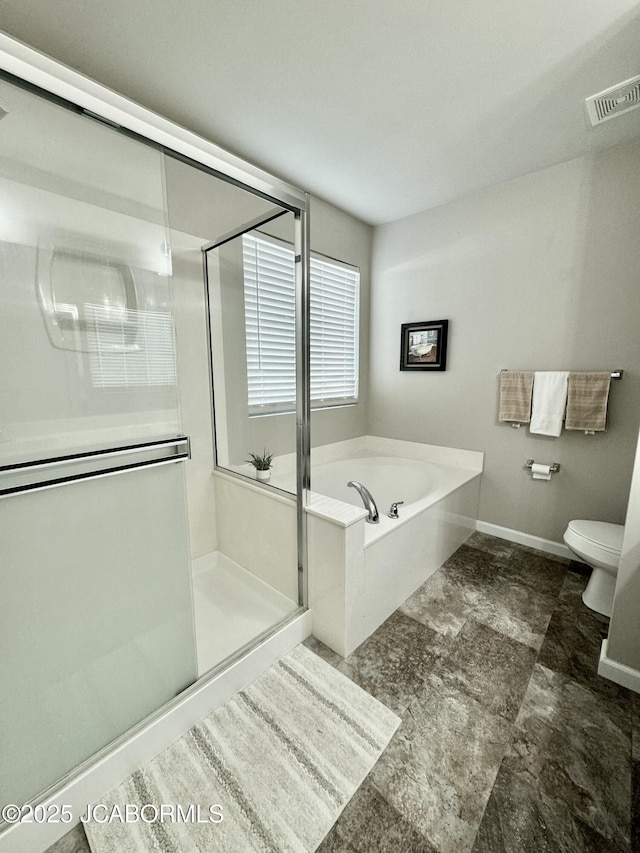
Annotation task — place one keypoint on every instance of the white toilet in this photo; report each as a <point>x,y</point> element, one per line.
<point>598,544</point>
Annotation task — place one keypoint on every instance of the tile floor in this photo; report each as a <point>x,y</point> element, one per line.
<point>509,741</point>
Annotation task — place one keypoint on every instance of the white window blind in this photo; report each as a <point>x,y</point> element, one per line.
<point>269,291</point>
<point>334,333</point>
<point>269,306</point>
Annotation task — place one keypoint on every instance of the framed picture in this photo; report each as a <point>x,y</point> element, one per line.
<point>423,346</point>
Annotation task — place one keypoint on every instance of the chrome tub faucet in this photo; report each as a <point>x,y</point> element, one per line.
<point>367,500</point>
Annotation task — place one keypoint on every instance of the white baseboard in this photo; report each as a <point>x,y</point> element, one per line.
<point>546,545</point>
<point>618,672</point>
<point>113,768</point>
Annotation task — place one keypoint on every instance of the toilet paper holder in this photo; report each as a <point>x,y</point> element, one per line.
<point>554,468</point>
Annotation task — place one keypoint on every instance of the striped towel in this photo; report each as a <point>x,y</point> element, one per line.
<point>587,400</point>
<point>515,396</point>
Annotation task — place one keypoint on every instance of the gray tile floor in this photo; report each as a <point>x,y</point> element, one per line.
<point>509,741</point>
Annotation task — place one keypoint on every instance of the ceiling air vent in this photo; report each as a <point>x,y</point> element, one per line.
<point>614,101</point>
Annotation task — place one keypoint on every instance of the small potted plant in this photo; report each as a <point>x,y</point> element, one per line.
<point>262,464</point>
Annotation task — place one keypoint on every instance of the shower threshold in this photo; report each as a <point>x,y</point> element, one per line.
<point>232,608</point>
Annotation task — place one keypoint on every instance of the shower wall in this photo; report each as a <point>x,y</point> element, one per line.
<point>192,354</point>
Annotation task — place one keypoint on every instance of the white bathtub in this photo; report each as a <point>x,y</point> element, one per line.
<point>359,573</point>
<point>390,479</point>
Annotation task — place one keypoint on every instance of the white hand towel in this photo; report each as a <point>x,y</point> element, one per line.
<point>549,401</point>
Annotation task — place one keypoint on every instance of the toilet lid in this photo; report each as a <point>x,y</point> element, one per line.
<point>601,533</point>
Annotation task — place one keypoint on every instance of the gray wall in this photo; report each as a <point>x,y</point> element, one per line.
<point>542,273</point>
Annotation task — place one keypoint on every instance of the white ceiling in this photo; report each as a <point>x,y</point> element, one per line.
<point>383,107</point>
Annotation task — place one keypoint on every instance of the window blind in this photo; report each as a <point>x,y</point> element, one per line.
<point>269,291</point>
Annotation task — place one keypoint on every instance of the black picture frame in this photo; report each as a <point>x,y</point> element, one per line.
<point>423,346</point>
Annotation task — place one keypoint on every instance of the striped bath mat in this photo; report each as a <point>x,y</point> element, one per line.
<point>270,770</point>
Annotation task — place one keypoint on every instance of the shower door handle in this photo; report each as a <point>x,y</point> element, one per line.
<point>38,474</point>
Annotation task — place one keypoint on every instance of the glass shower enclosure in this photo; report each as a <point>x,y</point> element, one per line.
<point>110,499</point>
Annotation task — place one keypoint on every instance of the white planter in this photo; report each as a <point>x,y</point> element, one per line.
<point>263,475</point>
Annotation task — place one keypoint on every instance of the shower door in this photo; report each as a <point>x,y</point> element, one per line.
<point>96,614</point>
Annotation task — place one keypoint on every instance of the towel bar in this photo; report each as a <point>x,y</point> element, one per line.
<point>553,468</point>
<point>615,374</point>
